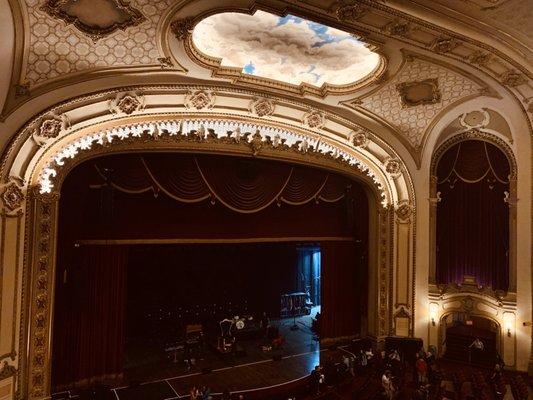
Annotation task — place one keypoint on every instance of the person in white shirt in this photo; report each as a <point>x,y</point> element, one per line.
<point>386,382</point>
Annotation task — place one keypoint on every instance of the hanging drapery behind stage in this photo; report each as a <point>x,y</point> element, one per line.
<point>341,284</point>
<point>89,317</point>
<point>472,217</point>
<point>242,185</point>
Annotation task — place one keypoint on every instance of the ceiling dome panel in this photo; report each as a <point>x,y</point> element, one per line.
<point>288,49</point>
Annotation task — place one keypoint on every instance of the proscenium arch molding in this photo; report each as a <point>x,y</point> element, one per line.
<point>475,134</point>
<point>30,217</point>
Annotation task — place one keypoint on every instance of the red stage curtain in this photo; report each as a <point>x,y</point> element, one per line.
<point>340,279</point>
<point>472,217</point>
<point>242,185</point>
<point>89,317</point>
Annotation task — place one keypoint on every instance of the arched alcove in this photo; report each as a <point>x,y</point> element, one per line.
<point>472,227</point>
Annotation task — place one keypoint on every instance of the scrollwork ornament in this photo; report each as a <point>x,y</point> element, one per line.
<point>398,28</point>
<point>131,17</point>
<point>182,28</point>
<point>404,211</point>
<point>262,107</point>
<point>7,371</point>
<point>200,100</point>
<point>444,45</point>
<point>349,10</point>
<point>313,119</point>
<point>512,78</point>
<point>12,196</point>
<point>480,58</point>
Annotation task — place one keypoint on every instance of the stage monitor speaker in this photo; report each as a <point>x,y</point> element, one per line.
<point>277,357</point>
<point>207,370</point>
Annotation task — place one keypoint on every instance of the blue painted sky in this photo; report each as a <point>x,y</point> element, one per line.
<point>288,48</point>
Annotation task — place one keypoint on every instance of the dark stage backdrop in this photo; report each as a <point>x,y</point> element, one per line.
<point>207,282</point>
<point>105,199</point>
<point>472,217</point>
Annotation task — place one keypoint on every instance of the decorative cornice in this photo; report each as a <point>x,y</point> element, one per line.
<point>465,288</point>
<point>206,131</point>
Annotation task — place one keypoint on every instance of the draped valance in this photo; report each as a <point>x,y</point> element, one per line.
<point>244,186</point>
<point>473,161</point>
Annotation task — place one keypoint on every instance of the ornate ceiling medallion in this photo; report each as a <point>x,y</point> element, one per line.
<point>417,93</point>
<point>95,18</point>
<point>280,52</point>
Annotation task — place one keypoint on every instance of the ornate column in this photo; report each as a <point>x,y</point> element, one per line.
<point>403,279</point>
<point>385,271</point>
<point>11,250</point>
<point>40,280</point>
<point>433,202</point>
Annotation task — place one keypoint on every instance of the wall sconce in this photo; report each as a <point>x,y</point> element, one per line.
<point>509,320</point>
<point>433,313</point>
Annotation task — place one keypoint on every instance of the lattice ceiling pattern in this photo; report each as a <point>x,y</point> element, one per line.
<point>57,49</point>
<point>412,122</point>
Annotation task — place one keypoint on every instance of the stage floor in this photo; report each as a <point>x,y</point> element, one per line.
<point>241,377</point>
<point>257,369</point>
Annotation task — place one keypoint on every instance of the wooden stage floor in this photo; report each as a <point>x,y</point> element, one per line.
<point>255,375</point>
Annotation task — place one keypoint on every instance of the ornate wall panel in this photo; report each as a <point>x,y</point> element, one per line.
<point>412,120</point>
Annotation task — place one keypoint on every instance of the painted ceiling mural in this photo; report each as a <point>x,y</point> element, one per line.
<point>289,48</point>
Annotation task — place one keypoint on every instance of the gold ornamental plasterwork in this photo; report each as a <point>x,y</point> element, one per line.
<point>411,120</point>
<point>42,209</point>
<point>182,30</point>
<point>55,8</point>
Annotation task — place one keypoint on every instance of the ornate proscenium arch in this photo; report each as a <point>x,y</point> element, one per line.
<point>190,119</point>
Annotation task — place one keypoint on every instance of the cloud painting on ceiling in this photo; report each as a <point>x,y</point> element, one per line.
<point>289,49</point>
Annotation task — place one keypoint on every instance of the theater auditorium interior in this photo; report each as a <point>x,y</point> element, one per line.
<point>266,199</point>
